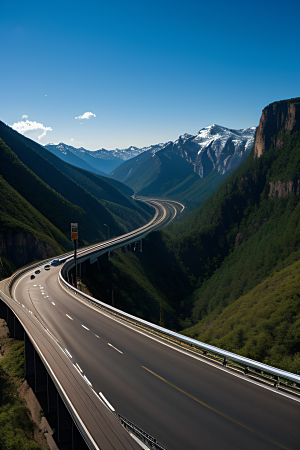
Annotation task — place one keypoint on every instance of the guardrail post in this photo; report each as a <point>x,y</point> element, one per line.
<point>29,362</point>
<point>224,362</point>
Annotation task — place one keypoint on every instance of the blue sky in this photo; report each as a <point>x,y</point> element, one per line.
<point>148,71</point>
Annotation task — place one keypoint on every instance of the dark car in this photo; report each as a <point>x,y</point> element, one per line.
<point>32,277</point>
<point>37,272</point>
<point>56,262</point>
<point>47,267</point>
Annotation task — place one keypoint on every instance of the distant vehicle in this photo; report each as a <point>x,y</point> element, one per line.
<point>56,262</point>
<point>32,277</point>
<point>47,267</point>
<point>37,272</point>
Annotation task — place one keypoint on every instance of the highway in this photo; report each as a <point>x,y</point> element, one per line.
<point>183,400</point>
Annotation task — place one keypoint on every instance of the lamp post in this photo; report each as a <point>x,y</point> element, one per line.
<point>74,237</point>
<point>108,236</point>
<point>108,233</point>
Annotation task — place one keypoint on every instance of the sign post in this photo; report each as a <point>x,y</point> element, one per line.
<point>74,237</point>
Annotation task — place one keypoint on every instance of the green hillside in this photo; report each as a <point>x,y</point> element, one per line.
<point>25,233</point>
<point>77,186</point>
<point>263,325</point>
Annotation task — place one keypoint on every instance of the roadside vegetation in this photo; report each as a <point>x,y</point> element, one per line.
<point>16,427</point>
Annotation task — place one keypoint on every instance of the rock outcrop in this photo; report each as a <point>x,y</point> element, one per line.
<point>284,115</point>
<point>215,148</point>
<point>21,248</point>
<point>282,189</point>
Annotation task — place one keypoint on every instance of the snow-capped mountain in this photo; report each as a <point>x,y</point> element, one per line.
<point>176,168</point>
<point>215,148</point>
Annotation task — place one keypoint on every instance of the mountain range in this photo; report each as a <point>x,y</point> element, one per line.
<point>190,168</point>
<point>98,161</point>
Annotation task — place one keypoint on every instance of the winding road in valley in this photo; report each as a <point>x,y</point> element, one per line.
<point>180,398</point>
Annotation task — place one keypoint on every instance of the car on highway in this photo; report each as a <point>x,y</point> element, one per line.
<point>37,272</point>
<point>32,277</point>
<point>47,267</point>
<point>56,262</point>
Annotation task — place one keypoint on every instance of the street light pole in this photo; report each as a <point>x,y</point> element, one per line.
<point>108,233</point>
<point>74,237</point>
<point>108,236</point>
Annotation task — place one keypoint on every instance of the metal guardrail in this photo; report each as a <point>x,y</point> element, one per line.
<point>146,438</point>
<point>278,378</point>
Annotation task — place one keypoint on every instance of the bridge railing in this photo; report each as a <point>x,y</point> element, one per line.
<point>278,378</point>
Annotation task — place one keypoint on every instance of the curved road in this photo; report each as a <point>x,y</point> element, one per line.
<point>182,400</point>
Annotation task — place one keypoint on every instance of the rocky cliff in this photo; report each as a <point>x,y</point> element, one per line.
<point>215,148</point>
<point>283,115</point>
<point>19,248</point>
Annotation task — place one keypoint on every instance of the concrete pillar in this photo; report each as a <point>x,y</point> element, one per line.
<point>51,410</point>
<point>19,330</point>
<point>64,424</point>
<point>141,245</point>
<point>3,313</point>
<point>29,362</point>
<point>40,388</point>
<point>78,443</point>
<point>10,322</point>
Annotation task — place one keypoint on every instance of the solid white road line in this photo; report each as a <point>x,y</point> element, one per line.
<point>106,401</point>
<point>68,353</point>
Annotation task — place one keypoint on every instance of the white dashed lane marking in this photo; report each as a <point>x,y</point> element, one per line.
<point>115,348</point>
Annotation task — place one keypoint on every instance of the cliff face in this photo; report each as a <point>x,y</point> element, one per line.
<point>275,117</point>
<point>21,248</point>
<point>215,148</point>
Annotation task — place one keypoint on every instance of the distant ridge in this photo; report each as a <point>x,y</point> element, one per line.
<point>100,161</point>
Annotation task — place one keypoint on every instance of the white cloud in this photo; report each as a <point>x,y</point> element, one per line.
<point>27,126</point>
<point>24,116</point>
<point>86,115</point>
<point>72,139</point>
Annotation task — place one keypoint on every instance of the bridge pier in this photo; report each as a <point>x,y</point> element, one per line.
<point>10,322</point>
<point>29,362</point>
<point>18,330</point>
<point>64,425</point>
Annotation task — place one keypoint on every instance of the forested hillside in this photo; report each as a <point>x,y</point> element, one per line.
<point>41,195</point>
